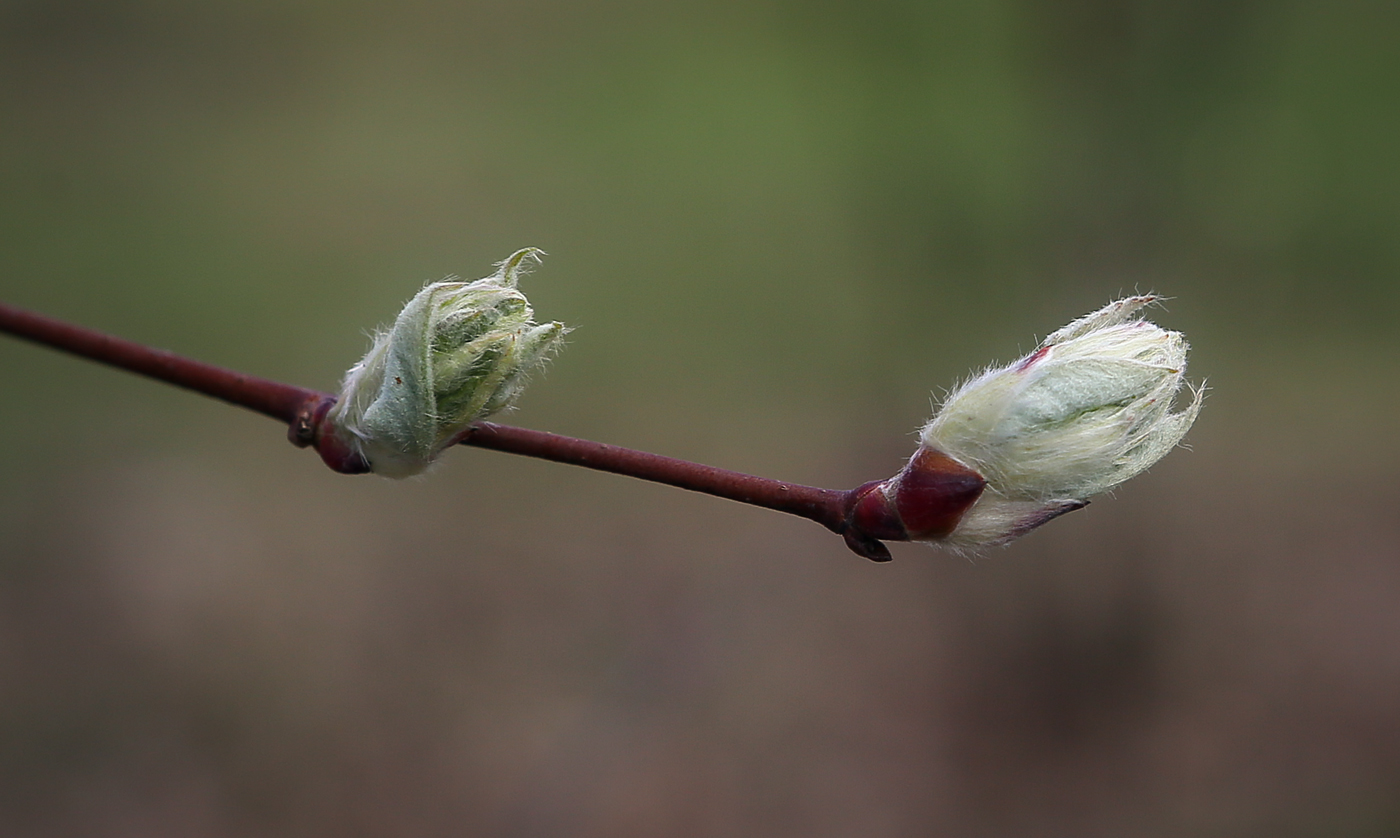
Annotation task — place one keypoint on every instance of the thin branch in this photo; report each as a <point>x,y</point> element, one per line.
<point>270,398</point>
<point>304,411</point>
<point>825,506</point>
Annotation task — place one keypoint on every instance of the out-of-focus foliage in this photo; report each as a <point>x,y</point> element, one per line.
<point>779,226</point>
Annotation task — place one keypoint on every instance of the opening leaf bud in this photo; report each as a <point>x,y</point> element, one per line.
<point>1090,408</point>
<point>458,352</point>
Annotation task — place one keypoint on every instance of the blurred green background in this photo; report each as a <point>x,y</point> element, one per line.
<point>781,229</point>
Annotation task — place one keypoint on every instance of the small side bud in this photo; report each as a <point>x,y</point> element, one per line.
<point>458,352</point>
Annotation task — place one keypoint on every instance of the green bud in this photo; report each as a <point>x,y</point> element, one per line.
<point>458,352</point>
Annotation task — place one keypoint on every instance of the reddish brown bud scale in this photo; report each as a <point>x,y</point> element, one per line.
<point>933,492</point>
<point>339,456</point>
<point>874,515</point>
<point>925,501</point>
<point>309,428</point>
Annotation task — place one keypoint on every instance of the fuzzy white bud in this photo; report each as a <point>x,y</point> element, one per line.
<point>1090,408</point>
<point>458,352</point>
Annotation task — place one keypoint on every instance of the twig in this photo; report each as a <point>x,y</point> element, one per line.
<point>825,506</point>
<point>270,398</point>
<point>304,411</point>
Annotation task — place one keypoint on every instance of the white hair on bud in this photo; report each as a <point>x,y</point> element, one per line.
<point>1090,408</point>
<point>458,352</point>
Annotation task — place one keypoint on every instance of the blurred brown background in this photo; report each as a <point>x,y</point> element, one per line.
<point>781,228</point>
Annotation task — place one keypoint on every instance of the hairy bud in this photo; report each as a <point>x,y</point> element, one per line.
<point>1090,408</point>
<point>458,352</point>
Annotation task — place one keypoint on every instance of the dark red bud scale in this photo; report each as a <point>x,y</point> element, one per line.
<point>934,492</point>
<point>309,428</point>
<point>925,501</point>
<point>874,515</point>
<point>341,457</point>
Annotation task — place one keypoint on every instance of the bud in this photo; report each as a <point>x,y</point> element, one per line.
<point>1088,409</point>
<point>458,352</point>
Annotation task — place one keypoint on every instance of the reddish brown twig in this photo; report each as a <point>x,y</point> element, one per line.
<point>270,398</point>
<point>825,506</point>
<point>304,411</point>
